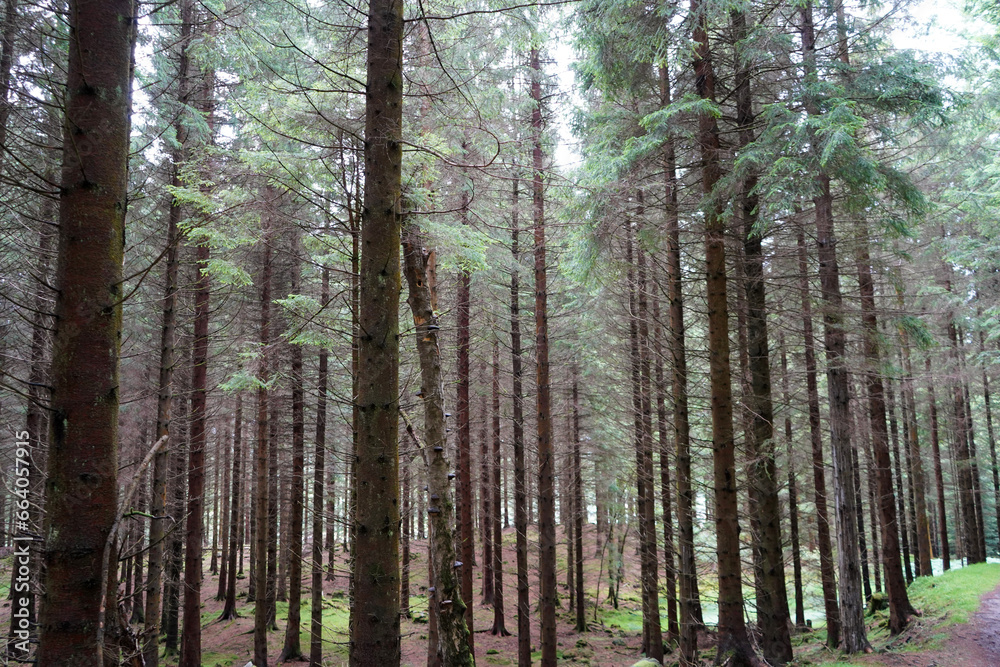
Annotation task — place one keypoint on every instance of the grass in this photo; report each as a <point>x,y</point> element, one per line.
<point>945,600</point>
<point>954,596</point>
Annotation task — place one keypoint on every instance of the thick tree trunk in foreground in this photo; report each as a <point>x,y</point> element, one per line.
<point>453,648</point>
<point>734,642</point>
<point>83,454</point>
<point>375,618</point>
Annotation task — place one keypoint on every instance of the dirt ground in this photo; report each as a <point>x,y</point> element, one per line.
<point>972,644</point>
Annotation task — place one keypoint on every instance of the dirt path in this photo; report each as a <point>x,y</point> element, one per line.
<point>973,644</point>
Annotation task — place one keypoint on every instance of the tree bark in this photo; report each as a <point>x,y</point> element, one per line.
<point>919,478</point>
<point>670,573</point>
<point>963,459</point>
<point>262,526</point>
<point>900,608</point>
<point>827,573</point>
<point>453,647</point>
<point>223,460</point>
<point>772,597</point>
<point>517,418</point>
<point>158,495</point>
<point>236,493</point>
<point>580,509</point>
<point>793,503</point>
<point>83,456</point>
<point>546,497</point>
<point>292,650</point>
<point>851,605</point>
<point>191,646</point>
<point>466,529</point>
<point>688,597</point>
<point>319,477</point>
<point>498,601</point>
<point>734,642</point>
<point>375,618</point>
<point>992,440</point>
<point>938,473</point>
<point>898,476</point>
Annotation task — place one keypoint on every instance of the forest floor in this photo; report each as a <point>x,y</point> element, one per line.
<point>959,626</point>
<point>953,630</point>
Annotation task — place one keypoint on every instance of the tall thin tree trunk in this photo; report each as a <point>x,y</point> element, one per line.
<point>224,507</point>
<point>963,458</point>
<point>580,512</point>
<point>175,509</point>
<point>464,444</point>
<point>900,608</point>
<point>229,609</point>
<point>319,477</point>
<point>827,574</point>
<point>851,603</point>
<point>498,600</point>
<point>375,617</point>
<point>453,647</point>
<point>517,418</point>
<point>262,526</point>
<point>191,646</point>
<point>158,491</point>
<point>689,602</point>
<point>733,638</point>
<point>670,573</point>
<point>546,497</point>
<point>938,473</point>
<point>649,510</point>
<point>992,440</point>
<point>772,598</point>
<point>793,495</point>
<point>485,493</point>
<point>292,650</point>
<point>898,476</point>
<point>919,477</point>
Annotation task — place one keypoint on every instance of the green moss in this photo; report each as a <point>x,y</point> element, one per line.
<point>218,659</point>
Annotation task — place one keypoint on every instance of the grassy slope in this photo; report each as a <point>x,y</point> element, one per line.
<point>943,601</point>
